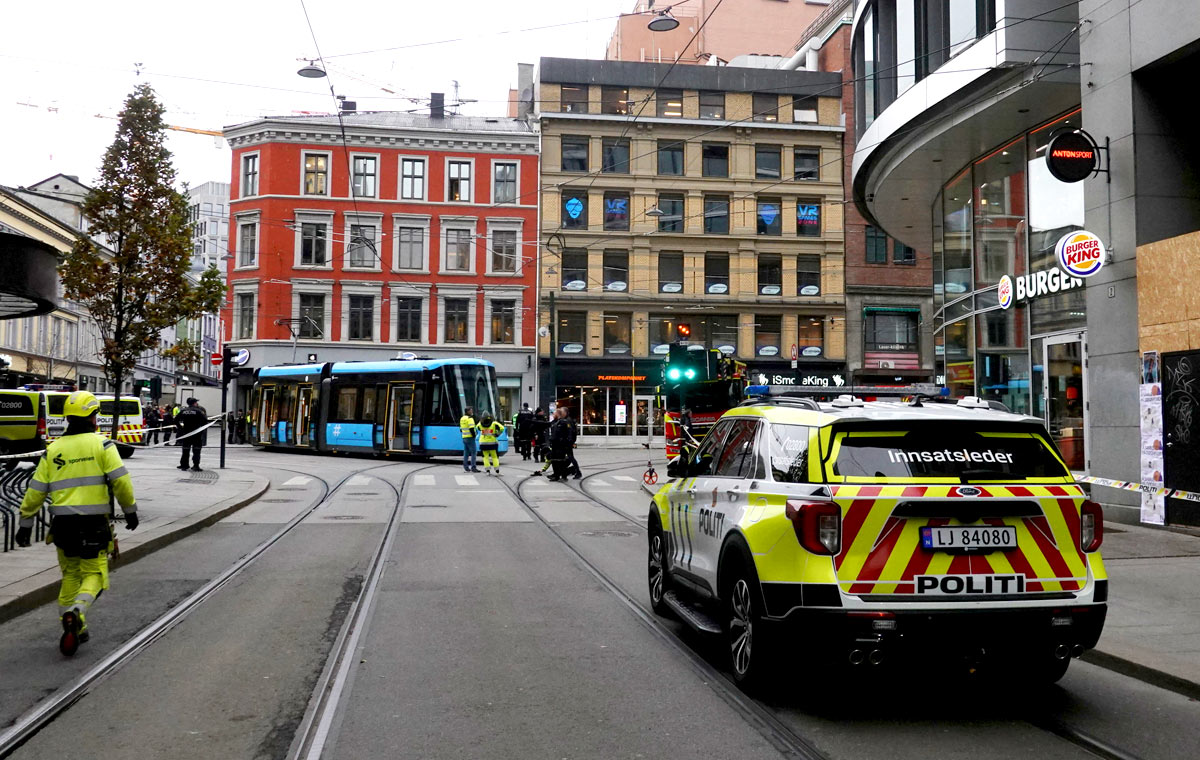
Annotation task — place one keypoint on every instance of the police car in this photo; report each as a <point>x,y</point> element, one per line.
<point>875,532</point>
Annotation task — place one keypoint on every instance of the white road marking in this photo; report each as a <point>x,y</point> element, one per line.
<point>598,482</point>
<point>424,480</point>
<point>299,480</point>
<point>358,480</point>
<point>466,480</point>
<point>626,478</point>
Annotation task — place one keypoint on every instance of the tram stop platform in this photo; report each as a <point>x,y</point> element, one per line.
<point>172,504</point>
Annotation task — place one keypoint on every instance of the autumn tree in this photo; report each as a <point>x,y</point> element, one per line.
<point>140,285</point>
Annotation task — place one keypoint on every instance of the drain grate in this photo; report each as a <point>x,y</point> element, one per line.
<point>197,481</point>
<point>608,533</point>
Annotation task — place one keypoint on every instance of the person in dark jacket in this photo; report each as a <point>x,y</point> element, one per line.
<point>152,421</point>
<point>572,464</point>
<point>560,444</point>
<point>541,428</point>
<point>189,420</point>
<point>523,431</point>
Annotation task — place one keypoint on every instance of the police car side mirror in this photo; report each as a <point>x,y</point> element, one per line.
<point>677,468</point>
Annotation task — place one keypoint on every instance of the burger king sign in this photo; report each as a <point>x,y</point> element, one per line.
<point>1004,293</point>
<point>1080,254</point>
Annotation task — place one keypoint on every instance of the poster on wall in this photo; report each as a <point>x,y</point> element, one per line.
<point>1151,423</point>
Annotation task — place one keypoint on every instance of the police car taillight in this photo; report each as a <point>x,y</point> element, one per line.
<point>818,525</point>
<point>1091,526</point>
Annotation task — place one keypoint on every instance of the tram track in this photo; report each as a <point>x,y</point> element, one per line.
<point>57,703</point>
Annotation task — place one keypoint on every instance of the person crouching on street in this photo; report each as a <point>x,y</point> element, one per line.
<point>490,431</point>
<point>560,444</point>
<point>77,473</point>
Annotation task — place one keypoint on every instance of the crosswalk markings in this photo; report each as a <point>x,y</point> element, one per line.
<point>466,480</point>
<point>358,480</point>
<point>598,482</point>
<point>626,478</point>
<point>424,480</point>
<point>299,480</point>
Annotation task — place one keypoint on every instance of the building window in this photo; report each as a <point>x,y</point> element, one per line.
<point>716,273</point>
<point>504,183</point>
<point>316,173</point>
<point>769,216</point>
<point>572,332</point>
<point>504,322</point>
<point>458,182</point>
<point>808,218</point>
<point>616,271</point>
<point>808,275</point>
<point>312,316</point>
<point>617,334</point>
<point>504,251</point>
<point>616,211</point>
<point>670,157</point>
<point>247,244</point>
<point>575,269</point>
<point>408,319</point>
<point>894,331</point>
<point>670,103</point>
<point>362,245</point>
<point>614,100</point>
<point>574,210</point>
<point>671,204</point>
<point>458,317</point>
<point>770,274</point>
<point>806,164</point>
<point>365,174</point>
<point>903,254</point>
<point>810,335</point>
<point>714,159</point>
<point>614,155</point>
<point>767,161</point>
<point>716,214</point>
<point>249,175</point>
<point>411,241</point>
<point>766,106</point>
<point>804,110</point>
<point>312,244</point>
<point>245,315</point>
<point>712,105</point>
<point>412,179</point>
<point>573,98</point>
<point>361,317</point>
<point>670,273</point>
<point>458,250</point>
<point>574,154</point>
<point>767,334</point>
<point>876,245</point>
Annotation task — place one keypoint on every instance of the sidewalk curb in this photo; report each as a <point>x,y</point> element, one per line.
<point>48,581</point>
<point>1143,673</point>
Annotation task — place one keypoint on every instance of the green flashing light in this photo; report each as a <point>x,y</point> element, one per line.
<point>674,373</point>
<point>690,374</point>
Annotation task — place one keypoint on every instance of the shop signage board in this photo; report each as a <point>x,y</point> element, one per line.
<point>1079,255</point>
<point>1072,156</point>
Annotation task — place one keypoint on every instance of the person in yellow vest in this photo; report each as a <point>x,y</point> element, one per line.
<point>466,425</point>
<point>79,473</point>
<point>490,431</point>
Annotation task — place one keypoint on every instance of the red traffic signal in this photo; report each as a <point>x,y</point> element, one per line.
<point>683,331</point>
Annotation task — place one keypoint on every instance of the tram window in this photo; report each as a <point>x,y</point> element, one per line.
<point>347,401</point>
<point>368,412</point>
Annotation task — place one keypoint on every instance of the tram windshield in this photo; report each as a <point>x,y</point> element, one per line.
<point>472,385</point>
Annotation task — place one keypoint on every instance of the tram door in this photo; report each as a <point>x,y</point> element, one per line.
<point>266,416</point>
<point>398,429</point>
<point>303,416</point>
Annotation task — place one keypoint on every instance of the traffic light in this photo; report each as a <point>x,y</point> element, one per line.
<point>683,331</point>
<point>156,388</point>
<point>683,365</point>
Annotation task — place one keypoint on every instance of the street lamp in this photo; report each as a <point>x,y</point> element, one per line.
<point>663,21</point>
<point>313,71</point>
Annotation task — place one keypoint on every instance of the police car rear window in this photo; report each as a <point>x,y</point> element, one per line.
<point>947,452</point>
<point>128,408</point>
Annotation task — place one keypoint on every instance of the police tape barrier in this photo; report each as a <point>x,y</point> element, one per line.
<point>1153,490</point>
<point>36,454</point>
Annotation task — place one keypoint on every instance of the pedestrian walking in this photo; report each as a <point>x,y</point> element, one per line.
<point>231,419</point>
<point>239,427</point>
<point>153,419</point>
<point>523,431</point>
<point>190,435</point>
<point>573,427</point>
<point>466,426</point>
<point>167,423</point>
<point>490,431</point>
<point>79,473</point>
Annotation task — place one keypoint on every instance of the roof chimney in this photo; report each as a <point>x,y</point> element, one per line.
<point>437,105</point>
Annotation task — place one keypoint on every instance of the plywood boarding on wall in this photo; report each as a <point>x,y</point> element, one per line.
<point>1168,299</point>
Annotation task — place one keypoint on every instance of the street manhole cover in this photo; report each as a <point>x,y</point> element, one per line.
<point>344,517</point>
<point>427,506</point>
<point>608,533</point>
<point>277,501</point>
<point>197,481</point>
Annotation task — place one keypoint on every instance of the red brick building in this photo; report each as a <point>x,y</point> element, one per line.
<point>409,233</point>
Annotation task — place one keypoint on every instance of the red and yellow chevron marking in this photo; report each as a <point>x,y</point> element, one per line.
<point>882,554</point>
<point>126,433</point>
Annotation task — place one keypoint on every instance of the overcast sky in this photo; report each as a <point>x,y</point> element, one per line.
<point>68,61</point>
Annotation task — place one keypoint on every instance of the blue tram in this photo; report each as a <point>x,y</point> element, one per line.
<point>386,407</point>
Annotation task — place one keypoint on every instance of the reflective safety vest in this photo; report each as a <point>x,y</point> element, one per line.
<point>76,473</point>
<point>466,424</point>
<point>490,433</point>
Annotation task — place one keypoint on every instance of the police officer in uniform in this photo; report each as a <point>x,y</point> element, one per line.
<point>79,473</point>
<point>466,426</point>
<point>188,422</point>
<point>523,431</point>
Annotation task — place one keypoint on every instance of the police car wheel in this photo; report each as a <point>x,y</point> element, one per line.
<point>745,636</point>
<point>656,567</point>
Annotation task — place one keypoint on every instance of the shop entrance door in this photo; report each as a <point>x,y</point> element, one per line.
<point>266,415</point>
<point>1181,429</point>
<point>1064,395</point>
<point>645,419</point>
<point>398,431</point>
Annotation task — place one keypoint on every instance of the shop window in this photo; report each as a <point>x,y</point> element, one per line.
<point>767,335</point>
<point>572,333</point>
<point>573,98</point>
<point>616,211</point>
<point>770,274</point>
<point>616,271</point>
<point>712,105</point>
<point>810,335</point>
<point>670,157</point>
<point>998,207</point>
<point>808,218</point>
<point>617,334</point>
<point>574,209</point>
<point>574,153</point>
<point>806,164</point>
<point>808,275</point>
<point>716,214</point>
<point>716,273</point>
<point>769,216</point>
<point>670,103</point>
<point>614,155</point>
<point>767,161</point>
<point>876,243</point>
<point>575,269</point>
<point>670,273</point>
<point>614,100</point>
<point>714,159</point>
<point>671,204</point>
<point>766,106</point>
<point>892,331</point>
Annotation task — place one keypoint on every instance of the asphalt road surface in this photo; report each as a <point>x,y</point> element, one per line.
<point>507,619</point>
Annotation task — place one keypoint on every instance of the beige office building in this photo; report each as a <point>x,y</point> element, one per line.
<point>702,196</point>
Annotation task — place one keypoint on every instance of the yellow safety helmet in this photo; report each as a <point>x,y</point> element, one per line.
<point>81,404</point>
